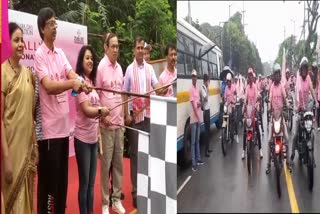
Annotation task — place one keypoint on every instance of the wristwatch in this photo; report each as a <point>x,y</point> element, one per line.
<point>99,110</point>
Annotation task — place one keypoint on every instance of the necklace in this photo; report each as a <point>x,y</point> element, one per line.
<point>12,67</point>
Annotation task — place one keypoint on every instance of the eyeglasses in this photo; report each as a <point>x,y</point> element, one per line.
<point>52,24</point>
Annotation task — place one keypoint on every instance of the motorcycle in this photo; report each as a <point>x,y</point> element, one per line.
<point>278,148</point>
<point>251,134</point>
<point>238,111</point>
<point>305,144</point>
<point>227,129</point>
<point>289,113</point>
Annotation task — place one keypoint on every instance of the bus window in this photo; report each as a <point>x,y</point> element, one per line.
<point>180,64</point>
<point>189,45</point>
<point>205,67</point>
<point>213,57</point>
<point>198,66</point>
<point>189,65</point>
<point>215,71</point>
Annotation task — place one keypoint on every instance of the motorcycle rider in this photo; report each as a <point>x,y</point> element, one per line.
<point>302,89</point>
<point>230,100</point>
<point>276,97</point>
<point>251,97</point>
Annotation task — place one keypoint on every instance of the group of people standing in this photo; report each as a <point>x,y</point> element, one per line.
<point>35,126</point>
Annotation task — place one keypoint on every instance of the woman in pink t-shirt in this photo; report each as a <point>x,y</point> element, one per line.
<point>86,130</point>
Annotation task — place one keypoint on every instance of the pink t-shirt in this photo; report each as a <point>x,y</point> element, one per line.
<point>110,76</point>
<point>318,89</point>
<point>167,77</point>
<point>194,93</point>
<point>251,94</point>
<point>304,92</point>
<point>276,99</point>
<point>229,93</point>
<point>54,108</point>
<point>86,129</point>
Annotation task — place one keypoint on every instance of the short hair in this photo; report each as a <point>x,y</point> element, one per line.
<point>108,37</point>
<point>170,46</point>
<point>13,27</point>
<point>44,14</point>
<point>205,77</point>
<point>137,39</point>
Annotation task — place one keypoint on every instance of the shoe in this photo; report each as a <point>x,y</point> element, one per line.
<point>194,169</point>
<point>135,202</point>
<point>117,207</point>
<point>207,154</point>
<point>200,163</point>
<point>268,168</point>
<point>105,209</point>
<point>243,155</point>
<point>237,138</point>
<point>261,154</point>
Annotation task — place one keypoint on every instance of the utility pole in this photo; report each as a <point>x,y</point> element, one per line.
<point>189,12</point>
<point>230,36</point>
<point>243,11</point>
<point>294,27</point>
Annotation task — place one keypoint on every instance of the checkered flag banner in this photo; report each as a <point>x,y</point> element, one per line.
<point>157,160</point>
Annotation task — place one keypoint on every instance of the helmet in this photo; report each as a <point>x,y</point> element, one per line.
<point>304,64</point>
<point>229,77</point>
<point>276,67</point>
<point>304,60</point>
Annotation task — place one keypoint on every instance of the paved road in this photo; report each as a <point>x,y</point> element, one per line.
<point>223,185</point>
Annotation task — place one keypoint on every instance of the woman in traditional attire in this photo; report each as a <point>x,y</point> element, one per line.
<point>19,146</point>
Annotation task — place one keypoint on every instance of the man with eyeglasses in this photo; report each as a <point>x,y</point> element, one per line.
<point>56,77</point>
<point>110,76</point>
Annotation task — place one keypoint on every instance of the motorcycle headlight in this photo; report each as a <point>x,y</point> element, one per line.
<point>277,126</point>
<point>308,125</point>
<point>249,122</point>
<point>225,109</point>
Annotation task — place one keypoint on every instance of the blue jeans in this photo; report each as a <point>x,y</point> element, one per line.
<point>195,138</point>
<point>86,155</point>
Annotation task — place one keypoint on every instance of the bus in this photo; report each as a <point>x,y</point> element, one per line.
<point>194,51</point>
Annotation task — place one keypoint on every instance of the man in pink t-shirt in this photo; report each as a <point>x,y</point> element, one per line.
<point>56,77</point>
<point>110,76</point>
<point>170,73</point>
<point>230,95</point>
<point>195,120</point>
<point>302,89</point>
<point>276,97</point>
<point>251,98</point>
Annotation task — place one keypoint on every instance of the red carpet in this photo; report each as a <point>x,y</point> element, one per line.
<point>73,185</point>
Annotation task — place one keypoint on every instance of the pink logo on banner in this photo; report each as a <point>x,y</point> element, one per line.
<point>5,46</point>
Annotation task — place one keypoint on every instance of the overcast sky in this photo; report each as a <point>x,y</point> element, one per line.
<point>265,20</point>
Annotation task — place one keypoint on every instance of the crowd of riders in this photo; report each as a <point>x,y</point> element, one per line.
<point>299,89</point>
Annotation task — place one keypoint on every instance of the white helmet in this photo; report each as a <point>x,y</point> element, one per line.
<point>304,60</point>
<point>276,67</point>
<point>229,77</point>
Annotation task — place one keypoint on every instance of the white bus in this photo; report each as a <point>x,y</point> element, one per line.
<point>194,51</point>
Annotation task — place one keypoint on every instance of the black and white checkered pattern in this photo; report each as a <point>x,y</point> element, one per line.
<point>157,160</point>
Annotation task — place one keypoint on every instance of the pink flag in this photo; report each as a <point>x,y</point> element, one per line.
<point>6,45</point>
